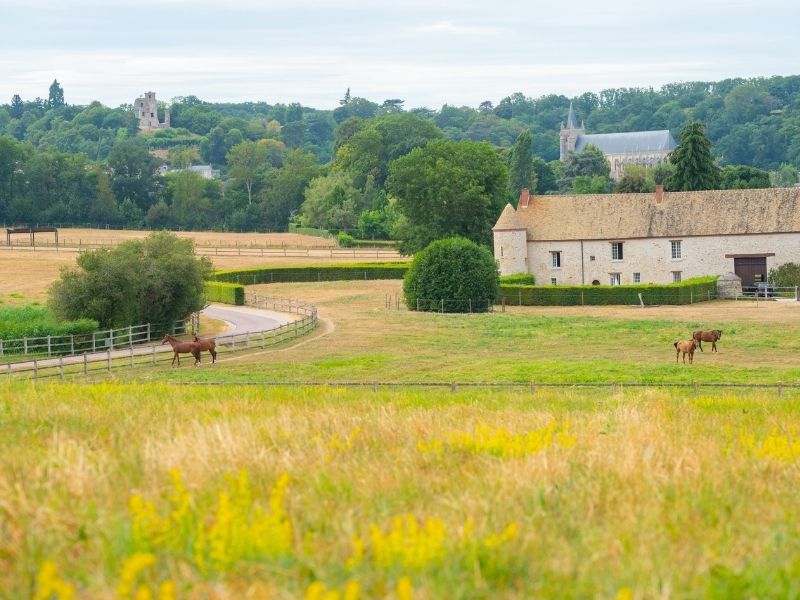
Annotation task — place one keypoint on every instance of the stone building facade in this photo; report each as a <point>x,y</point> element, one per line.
<point>146,109</point>
<point>645,148</point>
<point>649,238</point>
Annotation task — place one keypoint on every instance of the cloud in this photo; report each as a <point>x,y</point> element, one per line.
<point>452,28</point>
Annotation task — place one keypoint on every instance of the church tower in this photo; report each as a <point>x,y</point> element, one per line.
<point>569,134</point>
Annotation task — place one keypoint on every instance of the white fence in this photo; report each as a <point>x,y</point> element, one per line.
<point>70,345</point>
<point>152,354</point>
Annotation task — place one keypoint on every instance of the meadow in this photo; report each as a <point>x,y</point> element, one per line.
<point>155,491</point>
<point>205,482</point>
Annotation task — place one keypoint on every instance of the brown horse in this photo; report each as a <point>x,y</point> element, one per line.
<point>687,347</point>
<point>712,336</point>
<point>179,347</point>
<point>209,345</point>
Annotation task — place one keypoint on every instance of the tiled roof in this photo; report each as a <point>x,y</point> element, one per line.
<point>508,220</point>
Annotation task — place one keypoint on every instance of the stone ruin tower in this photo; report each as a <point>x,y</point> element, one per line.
<point>147,113</point>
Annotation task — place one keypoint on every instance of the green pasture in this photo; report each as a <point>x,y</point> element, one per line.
<point>626,345</point>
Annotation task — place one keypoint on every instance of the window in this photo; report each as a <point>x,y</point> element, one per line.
<point>591,258</point>
<point>676,276</point>
<point>676,248</point>
<point>556,259</point>
<point>615,278</point>
<point>616,250</point>
<point>553,281</point>
<point>637,278</point>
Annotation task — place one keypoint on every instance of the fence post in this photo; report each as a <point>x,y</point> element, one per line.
<point>533,386</point>
<point>454,387</point>
<point>72,345</point>
<point>130,349</point>
<point>442,305</point>
<point>48,346</point>
<point>520,297</point>
<point>94,344</point>
<point>25,345</point>
<point>85,364</point>
<point>61,367</point>
<point>780,389</point>
<point>111,337</point>
<point>35,369</point>
<point>108,354</point>
<point>470,305</point>
<point>148,332</point>
<point>1,348</point>
<point>796,298</point>
<point>154,353</point>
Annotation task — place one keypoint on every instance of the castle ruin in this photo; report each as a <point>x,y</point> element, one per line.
<point>147,113</point>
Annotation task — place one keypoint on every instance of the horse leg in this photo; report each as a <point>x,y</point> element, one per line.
<point>213,355</point>
<point>714,346</point>
<point>174,356</point>
<point>700,345</point>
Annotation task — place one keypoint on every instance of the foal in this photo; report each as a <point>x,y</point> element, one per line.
<point>687,347</point>
<point>712,336</point>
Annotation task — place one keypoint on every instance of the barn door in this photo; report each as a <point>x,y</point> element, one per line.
<point>752,269</point>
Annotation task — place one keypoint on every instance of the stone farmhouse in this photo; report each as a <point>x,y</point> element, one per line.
<point>659,237</point>
<point>147,112</point>
<point>645,148</point>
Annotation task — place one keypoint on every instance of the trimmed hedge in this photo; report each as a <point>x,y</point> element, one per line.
<point>517,279</point>
<point>227,293</point>
<point>339,272</point>
<point>699,289</point>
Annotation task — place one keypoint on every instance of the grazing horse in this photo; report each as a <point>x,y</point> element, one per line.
<point>712,336</point>
<point>687,347</point>
<point>179,347</point>
<point>209,345</point>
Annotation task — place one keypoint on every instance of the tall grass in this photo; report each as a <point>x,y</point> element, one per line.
<point>113,489</point>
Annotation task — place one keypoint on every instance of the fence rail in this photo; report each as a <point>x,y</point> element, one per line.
<point>70,345</point>
<point>153,354</point>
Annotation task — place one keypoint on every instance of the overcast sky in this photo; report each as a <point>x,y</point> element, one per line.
<point>426,52</point>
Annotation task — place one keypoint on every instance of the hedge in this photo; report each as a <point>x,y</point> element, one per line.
<point>699,289</point>
<point>338,272</point>
<point>227,293</point>
<point>517,279</point>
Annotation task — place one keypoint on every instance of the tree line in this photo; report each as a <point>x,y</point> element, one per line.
<point>373,170</point>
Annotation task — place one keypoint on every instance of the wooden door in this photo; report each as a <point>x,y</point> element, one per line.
<point>752,269</point>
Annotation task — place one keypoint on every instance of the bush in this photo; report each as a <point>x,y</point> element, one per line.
<point>517,279</point>
<point>787,275</point>
<point>227,293</point>
<point>451,275</point>
<point>345,240</point>
<point>157,280</point>
<point>38,321</point>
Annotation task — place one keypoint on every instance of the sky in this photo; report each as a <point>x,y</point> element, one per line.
<point>425,52</point>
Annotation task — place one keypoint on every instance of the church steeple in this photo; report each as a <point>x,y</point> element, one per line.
<point>569,134</point>
<point>572,122</point>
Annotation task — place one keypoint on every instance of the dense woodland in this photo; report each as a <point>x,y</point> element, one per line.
<point>339,169</point>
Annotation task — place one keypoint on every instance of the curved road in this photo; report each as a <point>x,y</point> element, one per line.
<point>240,319</point>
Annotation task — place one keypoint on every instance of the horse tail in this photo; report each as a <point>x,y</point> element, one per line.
<point>676,345</point>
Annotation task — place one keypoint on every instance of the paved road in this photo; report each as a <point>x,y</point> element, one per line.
<point>240,319</point>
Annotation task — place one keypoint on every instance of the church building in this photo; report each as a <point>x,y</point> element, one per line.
<point>646,148</point>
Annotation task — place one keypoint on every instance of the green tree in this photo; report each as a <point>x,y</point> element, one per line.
<point>56,97</point>
<point>545,178</point>
<point>157,280</point>
<point>104,209</point>
<point>695,166</point>
<point>520,173</point>
<point>589,162</point>
<point>635,179</point>
<point>451,275</point>
<point>283,193</point>
<point>133,172</point>
<point>17,107</point>
<point>331,202</point>
<point>786,176</point>
<point>742,177</point>
<point>190,206</point>
<point>448,189</point>
<point>248,162</point>
<point>591,184</point>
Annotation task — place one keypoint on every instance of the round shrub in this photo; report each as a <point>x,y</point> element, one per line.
<point>451,275</point>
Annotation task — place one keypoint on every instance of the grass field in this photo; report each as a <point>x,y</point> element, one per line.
<point>136,487</point>
<point>205,492</point>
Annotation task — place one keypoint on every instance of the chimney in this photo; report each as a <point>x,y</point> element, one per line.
<point>524,198</point>
<point>659,194</point>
